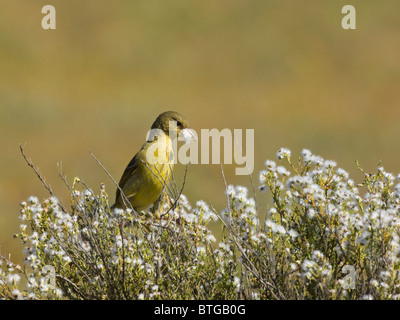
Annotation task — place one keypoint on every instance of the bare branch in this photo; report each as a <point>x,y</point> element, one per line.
<point>42,180</point>
<point>124,197</point>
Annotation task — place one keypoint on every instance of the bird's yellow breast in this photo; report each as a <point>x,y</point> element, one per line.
<point>152,174</point>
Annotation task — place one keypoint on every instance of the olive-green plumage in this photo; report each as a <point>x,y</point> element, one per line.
<point>149,171</point>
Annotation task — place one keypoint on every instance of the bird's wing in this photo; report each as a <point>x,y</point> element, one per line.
<point>128,173</point>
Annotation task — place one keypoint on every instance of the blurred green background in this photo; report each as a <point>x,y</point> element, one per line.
<point>284,68</point>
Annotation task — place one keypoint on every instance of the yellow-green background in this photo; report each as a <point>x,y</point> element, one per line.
<point>284,68</point>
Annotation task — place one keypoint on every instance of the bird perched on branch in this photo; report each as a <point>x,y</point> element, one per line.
<point>147,175</point>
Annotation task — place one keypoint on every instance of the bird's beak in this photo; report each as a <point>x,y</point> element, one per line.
<point>189,135</point>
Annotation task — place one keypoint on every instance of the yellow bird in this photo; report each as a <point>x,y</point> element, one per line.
<point>147,175</point>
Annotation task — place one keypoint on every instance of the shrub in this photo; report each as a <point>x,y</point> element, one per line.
<point>323,237</point>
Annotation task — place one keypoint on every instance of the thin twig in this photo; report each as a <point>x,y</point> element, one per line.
<point>253,268</point>
<point>124,197</point>
<point>64,179</point>
<point>226,188</point>
<point>42,180</point>
<point>127,204</point>
<point>179,195</point>
<point>248,170</point>
<point>161,179</point>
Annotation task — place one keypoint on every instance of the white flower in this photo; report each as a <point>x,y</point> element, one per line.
<point>148,267</point>
<point>31,296</point>
<point>363,238</point>
<point>118,212</point>
<point>118,241</point>
<point>137,261</point>
<point>241,192</point>
<point>16,293</point>
<point>53,200</point>
<point>331,209</point>
<point>58,292</point>
<point>317,255</point>
<point>306,275</point>
<point>184,202</point>
<point>283,153</point>
<point>270,225</point>
<point>13,278</point>
<point>236,283</point>
<point>224,246</point>
<point>315,191</point>
<point>230,191</point>
<point>374,283</point>
<point>282,171</point>
<point>33,200</point>
<point>292,233</point>
<point>202,205</point>
<point>307,155</point>
<point>255,238</point>
<point>308,264</point>
<point>317,160</point>
<point>255,295</point>
<point>311,213</point>
<point>280,229</point>
<point>86,246</point>
<point>67,259</point>
<point>384,275</point>
<point>271,165</point>
<point>128,260</point>
<point>342,173</point>
<point>263,177</point>
<point>190,217</point>
<point>210,238</point>
<point>350,183</point>
<point>329,164</point>
<point>201,249</point>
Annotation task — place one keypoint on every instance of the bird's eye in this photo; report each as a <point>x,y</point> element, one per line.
<point>179,124</point>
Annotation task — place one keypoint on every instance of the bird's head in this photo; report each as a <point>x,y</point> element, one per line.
<point>172,122</point>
